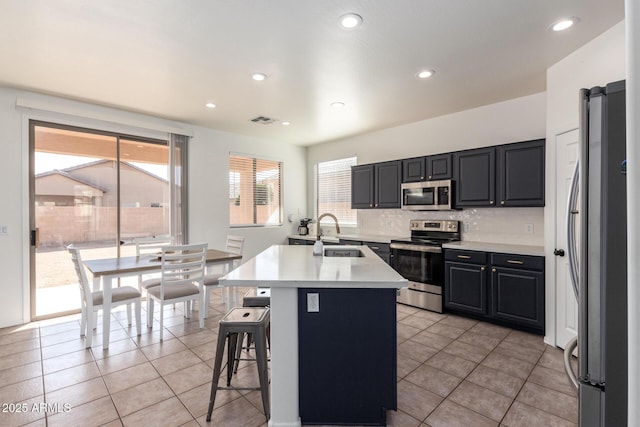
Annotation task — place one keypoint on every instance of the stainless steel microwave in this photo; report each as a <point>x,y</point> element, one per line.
<point>427,196</point>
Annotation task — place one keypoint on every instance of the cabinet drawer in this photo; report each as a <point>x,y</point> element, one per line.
<point>466,256</point>
<point>300,242</point>
<point>383,250</point>
<point>378,247</point>
<point>526,262</point>
<point>350,242</point>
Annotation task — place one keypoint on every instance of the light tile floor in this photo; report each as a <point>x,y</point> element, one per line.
<point>452,371</point>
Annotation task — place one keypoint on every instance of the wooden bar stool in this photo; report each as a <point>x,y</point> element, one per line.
<point>242,320</point>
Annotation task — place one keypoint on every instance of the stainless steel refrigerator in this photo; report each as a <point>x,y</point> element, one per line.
<point>597,224</point>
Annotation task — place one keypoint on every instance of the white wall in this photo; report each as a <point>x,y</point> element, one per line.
<point>598,62</point>
<point>518,119</point>
<point>209,189</point>
<point>208,157</point>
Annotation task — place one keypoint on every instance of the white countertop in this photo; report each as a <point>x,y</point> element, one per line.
<point>496,247</point>
<point>284,266</point>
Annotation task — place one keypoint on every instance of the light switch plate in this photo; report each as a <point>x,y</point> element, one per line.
<point>313,303</point>
<point>3,230</point>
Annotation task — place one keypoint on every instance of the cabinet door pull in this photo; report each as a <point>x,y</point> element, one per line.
<point>429,176</point>
<point>491,202</point>
<point>513,261</point>
<point>481,268</point>
<point>464,257</point>
<point>375,248</point>
<point>493,270</point>
<point>502,202</point>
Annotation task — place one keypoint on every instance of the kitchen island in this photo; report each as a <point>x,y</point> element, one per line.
<point>332,319</point>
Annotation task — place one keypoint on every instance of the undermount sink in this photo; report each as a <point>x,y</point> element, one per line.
<point>345,252</point>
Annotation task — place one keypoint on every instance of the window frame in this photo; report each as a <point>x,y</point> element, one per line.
<point>254,181</point>
<point>341,220</point>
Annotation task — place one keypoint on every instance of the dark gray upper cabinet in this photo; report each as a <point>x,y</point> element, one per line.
<point>387,184</point>
<point>521,174</point>
<point>429,168</point>
<point>414,170</point>
<point>362,187</point>
<point>376,185</point>
<point>439,167</point>
<point>475,175</point>
<point>504,175</point>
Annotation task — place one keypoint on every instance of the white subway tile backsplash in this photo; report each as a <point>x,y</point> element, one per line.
<point>491,225</point>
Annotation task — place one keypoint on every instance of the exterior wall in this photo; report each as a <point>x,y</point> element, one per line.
<point>60,226</point>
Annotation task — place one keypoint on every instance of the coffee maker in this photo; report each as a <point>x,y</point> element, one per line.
<point>303,228</point>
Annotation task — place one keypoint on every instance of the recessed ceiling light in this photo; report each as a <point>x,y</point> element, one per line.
<point>285,123</point>
<point>350,20</point>
<point>564,24</point>
<point>259,77</point>
<point>337,104</point>
<point>425,74</point>
<point>210,105</point>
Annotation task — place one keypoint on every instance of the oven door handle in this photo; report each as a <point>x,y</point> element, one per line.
<point>416,248</point>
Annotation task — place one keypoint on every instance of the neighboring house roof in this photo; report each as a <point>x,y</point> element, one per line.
<point>65,174</point>
<point>132,166</point>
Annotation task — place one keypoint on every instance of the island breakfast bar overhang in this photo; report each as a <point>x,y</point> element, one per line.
<point>286,269</point>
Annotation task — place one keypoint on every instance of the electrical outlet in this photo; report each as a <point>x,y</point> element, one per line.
<point>313,303</point>
<point>3,230</point>
<point>466,226</point>
<point>528,228</point>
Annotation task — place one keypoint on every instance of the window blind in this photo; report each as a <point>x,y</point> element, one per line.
<point>334,189</point>
<point>255,196</point>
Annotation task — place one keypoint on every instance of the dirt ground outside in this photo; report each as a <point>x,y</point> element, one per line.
<point>55,268</point>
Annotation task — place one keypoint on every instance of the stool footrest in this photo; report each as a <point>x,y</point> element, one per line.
<point>239,388</point>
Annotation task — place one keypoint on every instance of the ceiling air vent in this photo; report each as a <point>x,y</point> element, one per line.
<point>262,120</point>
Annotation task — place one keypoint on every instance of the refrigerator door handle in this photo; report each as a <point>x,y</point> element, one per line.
<point>568,351</point>
<point>571,229</point>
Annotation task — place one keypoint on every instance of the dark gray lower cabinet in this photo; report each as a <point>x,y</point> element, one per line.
<point>347,356</point>
<point>383,250</point>
<point>466,281</point>
<point>517,289</point>
<point>504,288</point>
<point>300,241</point>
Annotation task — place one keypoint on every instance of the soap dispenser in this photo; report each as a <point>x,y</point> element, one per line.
<point>317,247</point>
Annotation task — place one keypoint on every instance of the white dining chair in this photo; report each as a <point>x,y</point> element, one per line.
<point>234,245</point>
<point>181,280</point>
<point>92,301</point>
<point>150,246</point>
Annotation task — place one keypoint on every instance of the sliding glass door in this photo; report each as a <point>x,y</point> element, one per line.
<point>97,191</point>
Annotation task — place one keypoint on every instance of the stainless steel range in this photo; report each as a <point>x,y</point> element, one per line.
<point>419,260</point>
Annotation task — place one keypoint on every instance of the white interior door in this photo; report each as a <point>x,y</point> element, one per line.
<point>566,304</point>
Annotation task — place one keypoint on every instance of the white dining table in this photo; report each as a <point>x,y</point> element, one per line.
<point>105,270</point>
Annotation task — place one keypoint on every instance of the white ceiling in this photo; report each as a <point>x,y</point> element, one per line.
<point>168,58</point>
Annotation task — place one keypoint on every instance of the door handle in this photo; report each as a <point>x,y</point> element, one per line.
<point>558,252</point>
<point>35,238</point>
<point>464,257</point>
<point>512,261</point>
